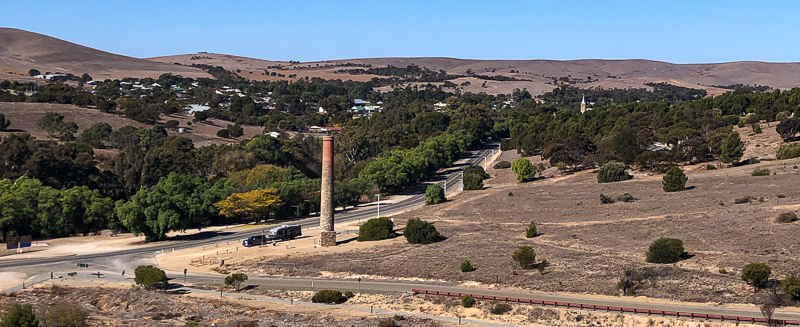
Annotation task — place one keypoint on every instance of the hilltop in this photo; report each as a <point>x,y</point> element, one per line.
<point>22,50</point>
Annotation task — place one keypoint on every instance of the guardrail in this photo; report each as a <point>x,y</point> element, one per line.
<point>662,313</point>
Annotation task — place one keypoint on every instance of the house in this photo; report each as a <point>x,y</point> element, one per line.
<point>658,146</point>
<point>315,129</point>
<point>51,76</point>
<point>192,108</point>
<point>331,130</point>
<point>359,102</point>
<point>439,106</point>
<point>273,134</point>
<point>364,111</point>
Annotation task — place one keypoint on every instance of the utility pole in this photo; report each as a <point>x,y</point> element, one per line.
<point>379,205</point>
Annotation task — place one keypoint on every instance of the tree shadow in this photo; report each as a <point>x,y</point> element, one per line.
<point>198,236</point>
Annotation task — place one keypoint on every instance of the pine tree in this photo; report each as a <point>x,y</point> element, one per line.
<point>732,148</point>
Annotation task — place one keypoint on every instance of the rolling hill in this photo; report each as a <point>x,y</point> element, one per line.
<point>22,50</point>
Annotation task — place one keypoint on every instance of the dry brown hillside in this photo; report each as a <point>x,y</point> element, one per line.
<point>607,73</point>
<point>22,50</point>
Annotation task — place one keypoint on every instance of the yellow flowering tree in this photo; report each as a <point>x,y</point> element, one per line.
<point>250,205</point>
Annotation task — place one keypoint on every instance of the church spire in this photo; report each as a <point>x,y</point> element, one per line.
<point>583,104</point>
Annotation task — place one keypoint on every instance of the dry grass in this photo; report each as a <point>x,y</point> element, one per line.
<point>786,217</point>
<point>588,245</point>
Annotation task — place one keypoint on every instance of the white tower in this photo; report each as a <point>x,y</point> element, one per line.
<point>583,104</point>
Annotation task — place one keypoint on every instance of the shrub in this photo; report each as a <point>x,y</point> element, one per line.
<point>786,217</point>
<point>781,196</point>
<point>604,199</point>
<point>172,124</point>
<point>510,193</point>
<point>674,180</point>
<point>711,167</point>
<point>612,172</point>
<point>434,194</point>
<point>502,165</point>
<point>723,271</point>
<point>149,277</point>
<point>746,199</point>
<point>348,294</point>
<point>473,177</point>
<point>627,197</point>
<point>466,266</point>
<point>761,171</point>
<point>531,230</point>
<point>756,274</point>
<point>387,322</point>
<point>328,296</point>
<point>524,256</point>
<point>235,130</point>
<point>791,286</point>
<point>224,133</point>
<point>665,250</point>
<point>191,323</point>
<point>523,169</point>
<point>376,229</point>
<point>420,232</point>
<point>757,129</point>
<point>788,151</point>
<point>732,148</point>
<point>20,315</point>
<point>467,301</point>
<point>235,280</point>
<point>66,314</point>
<point>4,123</point>
<point>501,308</point>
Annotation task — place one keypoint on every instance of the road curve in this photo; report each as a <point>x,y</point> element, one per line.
<point>416,199</point>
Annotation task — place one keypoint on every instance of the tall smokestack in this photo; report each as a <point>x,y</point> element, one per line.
<point>326,233</point>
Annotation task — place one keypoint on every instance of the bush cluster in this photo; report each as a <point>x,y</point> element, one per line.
<point>376,229</point>
<point>665,250</point>
<point>761,171</point>
<point>466,266</point>
<point>612,172</point>
<point>473,177</point>
<point>328,296</point>
<point>788,151</point>
<point>523,169</point>
<point>501,308</point>
<point>524,256</point>
<point>791,286</point>
<point>756,274</point>
<point>420,232</point>
<point>467,301</point>
<point>674,180</point>
<point>502,165</point>
<point>605,199</point>
<point>531,230</point>
<point>786,217</point>
<point>434,194</point>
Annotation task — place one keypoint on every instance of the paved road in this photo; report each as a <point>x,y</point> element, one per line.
<point>127,259</point>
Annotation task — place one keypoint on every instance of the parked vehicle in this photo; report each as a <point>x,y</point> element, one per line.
<point>285,232</point>
<point>255,240</point>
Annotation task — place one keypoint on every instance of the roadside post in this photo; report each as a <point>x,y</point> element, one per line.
<point>184,275</point>
<point>359,284</point>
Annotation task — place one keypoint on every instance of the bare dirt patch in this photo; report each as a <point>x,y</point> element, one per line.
<point>588,246</point>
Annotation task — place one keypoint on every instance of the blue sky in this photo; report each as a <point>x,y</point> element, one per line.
<point>674,31</point>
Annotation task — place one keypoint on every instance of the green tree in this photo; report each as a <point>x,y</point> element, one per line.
<point>467,301</point>
<point>523,169</point>
<point>20,316</point>
<point>473,177</point>
<point>235,130</point>
<point>525,256</point>
<point>97,136</point>
<point>4,123</point>
<point>34,72</point>
<point>420,232</point>
<point>434,194</point>
<point>612,171</point>
<point>235,280</point>
<point>791,286</point>
<point>531,230</point>
<point>176,202</point>
<point>150,277</point>
<point>788,128</point>
<point>376,229</point>
<point>53,123</point>
<point>756,274</point>
<point>732,148</point>
<point>665,250</point>
<point>223,133</point>
<point>674,180</point>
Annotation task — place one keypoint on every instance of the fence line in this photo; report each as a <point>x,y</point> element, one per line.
<point>614,309</point>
